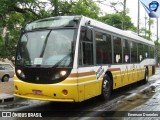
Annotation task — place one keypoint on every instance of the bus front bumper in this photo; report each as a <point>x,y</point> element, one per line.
<point>45,98</point>
<point>47,92</point>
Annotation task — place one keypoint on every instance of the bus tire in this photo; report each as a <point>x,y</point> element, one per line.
<point>153,70</point>
<point>106,88</point>
<point>146,77</point>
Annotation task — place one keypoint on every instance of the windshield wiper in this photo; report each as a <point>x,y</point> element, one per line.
<point>45,43</point>
<point>63,59</point>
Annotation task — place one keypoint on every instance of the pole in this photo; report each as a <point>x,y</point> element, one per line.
<point>157,46</point>
<point>145,25</point>
<point>138,18</point>
<point>124,14</point>
<point>149,28</point>
<point>56,7</point>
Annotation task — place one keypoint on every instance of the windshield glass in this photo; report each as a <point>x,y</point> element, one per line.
<point>65,21</point>
<point>49,47</point>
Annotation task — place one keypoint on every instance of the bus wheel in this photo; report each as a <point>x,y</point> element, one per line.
<point>146,77</point>
<point>153,70</point>
<point>106,88</point>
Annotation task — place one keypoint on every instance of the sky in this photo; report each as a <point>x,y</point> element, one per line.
<point>132,5</point>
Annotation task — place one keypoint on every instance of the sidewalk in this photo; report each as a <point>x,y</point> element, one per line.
<point>147,111</point>
<point>6,87</point>
<point>150,110</point>
<point>6,91</point>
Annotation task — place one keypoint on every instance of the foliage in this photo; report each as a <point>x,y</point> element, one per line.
<point>81,7</point>
<point>88,7</point>
<point>116,21</point>
<point>144,32</point>
<point>14,14</point>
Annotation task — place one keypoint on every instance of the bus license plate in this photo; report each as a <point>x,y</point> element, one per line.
<point>37,92</point>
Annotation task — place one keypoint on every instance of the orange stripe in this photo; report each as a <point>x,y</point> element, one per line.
<point>114,69</point>
<point>73,75</point>
<point>82,74</point>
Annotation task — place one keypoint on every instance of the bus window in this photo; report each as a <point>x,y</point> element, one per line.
<point>146,51</point>
<point>133,46</point>
<point>126,51</point>
<point>117,49</point>
<point>86,35</point>
<point>151,52</point>
<point>103,48</point>
<point>87,53</point>
<point>86,47</point>
<point>140,52</point>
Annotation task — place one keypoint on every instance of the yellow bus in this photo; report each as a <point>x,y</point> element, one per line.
<point>74,58</point>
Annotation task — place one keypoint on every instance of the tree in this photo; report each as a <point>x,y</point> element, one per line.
<point>86,8</point>
<point>146,32</point>
<point>81,7</point>
<point>116,21</point>
<point>14,14</point>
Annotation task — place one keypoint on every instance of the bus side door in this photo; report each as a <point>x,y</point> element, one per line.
<point>87,82</point>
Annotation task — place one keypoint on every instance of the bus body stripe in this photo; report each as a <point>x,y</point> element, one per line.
<point>114,69</point>
<point>82,74</point>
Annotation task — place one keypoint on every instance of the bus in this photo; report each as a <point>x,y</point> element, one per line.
<point>75,58</point>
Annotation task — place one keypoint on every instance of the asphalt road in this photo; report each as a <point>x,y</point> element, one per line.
<point>123,99</point>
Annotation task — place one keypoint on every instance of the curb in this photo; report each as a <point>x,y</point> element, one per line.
<point>146,90</point>
<point>6,98</point>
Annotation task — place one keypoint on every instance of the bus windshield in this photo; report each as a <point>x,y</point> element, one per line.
<point>48,47</point>
<point>53,22</point>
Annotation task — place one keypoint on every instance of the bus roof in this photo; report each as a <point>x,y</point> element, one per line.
<point>114,30</point>
<point>93,23</point>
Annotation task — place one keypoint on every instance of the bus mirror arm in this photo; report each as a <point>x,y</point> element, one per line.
<point>72,49</point>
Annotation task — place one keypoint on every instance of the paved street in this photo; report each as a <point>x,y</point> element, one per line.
<point>136,98</point>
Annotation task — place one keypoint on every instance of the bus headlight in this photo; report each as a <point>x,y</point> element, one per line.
<point>59,75</point>
<point>20,73</point>
<point>63,73</point>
